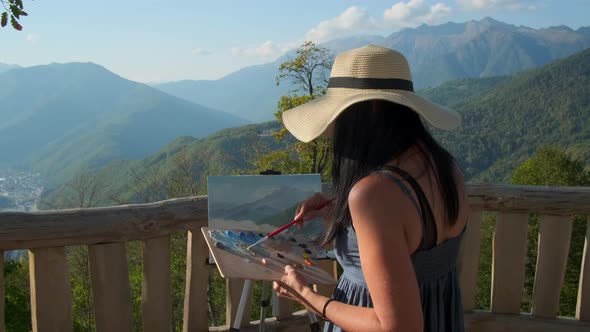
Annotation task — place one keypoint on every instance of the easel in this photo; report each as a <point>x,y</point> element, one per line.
<point>264,300</point>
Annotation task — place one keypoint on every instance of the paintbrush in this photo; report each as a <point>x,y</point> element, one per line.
<point>287,225</point>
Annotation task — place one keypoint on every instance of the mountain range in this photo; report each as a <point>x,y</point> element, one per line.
<point>436,54</point>
<point>56,116</point>
<point>505,120</point>
<point>5,67</point>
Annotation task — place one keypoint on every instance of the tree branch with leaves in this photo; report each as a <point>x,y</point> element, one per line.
<point>13,11</point>
<point>308,72</point>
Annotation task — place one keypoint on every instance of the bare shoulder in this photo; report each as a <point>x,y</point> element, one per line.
<point>372,188</point>
<point>375,194</point>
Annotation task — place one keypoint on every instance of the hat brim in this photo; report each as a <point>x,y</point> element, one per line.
<point>312,119</point>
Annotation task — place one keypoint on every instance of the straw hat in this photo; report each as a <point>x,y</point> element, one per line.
<point>366,73</point>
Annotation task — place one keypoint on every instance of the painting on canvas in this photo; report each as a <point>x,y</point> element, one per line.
<point>261,203</point>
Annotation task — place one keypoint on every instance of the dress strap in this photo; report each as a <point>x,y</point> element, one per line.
<point>402,186</point>
<point>429,232</point>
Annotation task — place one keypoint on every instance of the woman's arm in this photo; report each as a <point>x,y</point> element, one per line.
<point>307,209</point>
<point>378,209</point>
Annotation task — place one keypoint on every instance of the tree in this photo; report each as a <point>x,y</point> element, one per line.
<point>148,182</point>
<point>185,180</point>
<point>82,300</point>
<point>309,70</point>
<point>17,294</point>
<point>13,10</point>
<point>308,73</point>
<point>86,188</point>
<point>552,166</point>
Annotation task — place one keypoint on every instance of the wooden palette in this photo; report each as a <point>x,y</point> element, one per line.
<point>228,248</point>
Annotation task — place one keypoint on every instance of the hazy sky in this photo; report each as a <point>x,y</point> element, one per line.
<point>155,41</point>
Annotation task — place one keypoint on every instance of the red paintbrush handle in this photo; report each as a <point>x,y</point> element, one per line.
<point>296,220</point>
<point>282,228</point>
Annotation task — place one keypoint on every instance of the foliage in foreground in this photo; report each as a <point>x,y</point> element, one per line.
<point>13,10</point>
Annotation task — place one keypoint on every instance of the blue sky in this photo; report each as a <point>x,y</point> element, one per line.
<point>155,41</point>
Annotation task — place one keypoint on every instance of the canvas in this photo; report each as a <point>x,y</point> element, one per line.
<point>261,203</point>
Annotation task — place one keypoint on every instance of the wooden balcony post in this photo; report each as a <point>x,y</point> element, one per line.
<point>554,242</point>
<point>51,294</point>
<point>197,276</point>
<point>508,262</point>
<point>156,303</point>
<point>583,304</point>
<point>109,277</point>
<point>330,267</point>
<point>468,264</point>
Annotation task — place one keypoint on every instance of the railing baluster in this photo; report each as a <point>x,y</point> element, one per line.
<point>51,295</point>
<point>468,265</point>
<point>508,262</point>
<point>197,276</point>
<point>330,267</point>
<point>156,303</point>
<point>2,295</point>
<point>583,304</point>
<point>554,242</point>
<point>110,287</point>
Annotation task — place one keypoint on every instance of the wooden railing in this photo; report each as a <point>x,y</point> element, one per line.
<point>105,230</point>
<point>556,208</point>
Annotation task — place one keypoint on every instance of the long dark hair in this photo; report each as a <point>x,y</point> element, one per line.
<point>370,134</point>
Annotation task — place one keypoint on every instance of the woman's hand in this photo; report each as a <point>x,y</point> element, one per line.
<point>307,209</point>
<point>292,286</point>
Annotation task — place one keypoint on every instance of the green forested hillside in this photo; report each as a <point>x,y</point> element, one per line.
<point>172,170</point>
<point>506,120</point>
<point>458,91</point>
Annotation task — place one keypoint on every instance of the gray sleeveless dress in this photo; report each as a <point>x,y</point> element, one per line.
<point>435,268</point>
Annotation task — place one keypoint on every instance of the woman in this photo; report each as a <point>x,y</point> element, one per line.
<point>400,207</point>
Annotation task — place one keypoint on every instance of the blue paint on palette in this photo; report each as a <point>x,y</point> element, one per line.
<point>237,245</point>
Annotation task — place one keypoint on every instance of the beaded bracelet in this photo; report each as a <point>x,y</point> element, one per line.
<point>324,310</point>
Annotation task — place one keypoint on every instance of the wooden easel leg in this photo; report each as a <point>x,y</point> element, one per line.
<point>242,306</point>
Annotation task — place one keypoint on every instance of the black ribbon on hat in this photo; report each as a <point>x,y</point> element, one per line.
<point>371,83</point>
